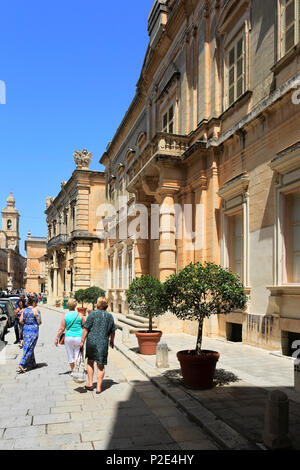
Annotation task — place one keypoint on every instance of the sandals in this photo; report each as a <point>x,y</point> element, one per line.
<point>21,370</point>
<point>89,388</point>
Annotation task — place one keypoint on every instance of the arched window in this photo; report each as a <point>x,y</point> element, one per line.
<point>9,225</point>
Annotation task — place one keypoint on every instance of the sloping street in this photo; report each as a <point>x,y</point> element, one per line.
<point>46,409</point>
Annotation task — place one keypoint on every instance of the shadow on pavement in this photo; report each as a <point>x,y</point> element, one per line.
<point>107,384</point>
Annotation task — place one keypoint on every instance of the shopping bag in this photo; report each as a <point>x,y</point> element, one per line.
<point>79,372</point>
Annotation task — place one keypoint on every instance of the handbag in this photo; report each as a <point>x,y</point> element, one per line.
<point>79,372</point>
<point>62,336</point>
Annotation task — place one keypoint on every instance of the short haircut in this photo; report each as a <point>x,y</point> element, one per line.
<point>72,304</point>
<point>102,303</point>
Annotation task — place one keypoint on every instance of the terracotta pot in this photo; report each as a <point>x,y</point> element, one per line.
<point>57,305</point>
<point>198,371</point>
<point>148,341</point>
<point>82,310</point>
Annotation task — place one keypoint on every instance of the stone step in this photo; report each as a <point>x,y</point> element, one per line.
<point>121,325</point>
<point>138,318</point>
<point>136,324</point>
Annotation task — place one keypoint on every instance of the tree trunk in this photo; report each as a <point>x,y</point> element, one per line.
<point>199,338</point>
<point>150,323</point>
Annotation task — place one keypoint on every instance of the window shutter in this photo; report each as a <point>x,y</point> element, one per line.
<point>231,75</point>
<point>290,24</point>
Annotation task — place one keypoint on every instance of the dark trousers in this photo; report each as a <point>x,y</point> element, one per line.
<point>16,327</point>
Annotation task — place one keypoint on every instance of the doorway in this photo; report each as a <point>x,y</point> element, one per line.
<point>234,332</point>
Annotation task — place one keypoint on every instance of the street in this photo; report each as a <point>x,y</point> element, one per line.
<point>46,409</point>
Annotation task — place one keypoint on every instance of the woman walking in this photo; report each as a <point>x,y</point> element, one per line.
<point>98,331</point>
<point>72,325</point>
<point>30,320</point>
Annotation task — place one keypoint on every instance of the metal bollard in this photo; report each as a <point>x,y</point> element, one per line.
<point>275,435</point>
<point>162,355</point>
<point>125,334</point>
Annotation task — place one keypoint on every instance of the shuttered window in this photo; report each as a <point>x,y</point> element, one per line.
<point>290,24</point>
<point>168,121</point>
<point>293,239</point>
<point>129,260</point>
<point>236,244</point>
<point>236,69</point>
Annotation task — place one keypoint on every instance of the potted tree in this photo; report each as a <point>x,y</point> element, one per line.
<point>80,298</point>
<point>57,303</point>
<point>92,294</point>
<point>146,297</point>
<point>195,293</point>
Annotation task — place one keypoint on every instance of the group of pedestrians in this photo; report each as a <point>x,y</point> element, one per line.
<point>96,332</point>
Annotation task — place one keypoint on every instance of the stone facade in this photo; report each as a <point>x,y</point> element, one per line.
<point>36,248</point>
<point>214,130</point>
<point>75,252</point>
<point>12,263</point>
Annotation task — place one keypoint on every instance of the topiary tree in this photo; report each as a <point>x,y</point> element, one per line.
<point>92,294</point>
<point>80,296</point>
<point>146,296</point>
<point>199,291</point>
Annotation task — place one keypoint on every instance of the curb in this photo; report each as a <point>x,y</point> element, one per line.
<point>222,433</point>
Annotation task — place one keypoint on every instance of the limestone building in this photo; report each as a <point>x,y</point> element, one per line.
<point>12,263</point>
<point>213,134</point>
<point>36,248</point>
<point>75,252</point>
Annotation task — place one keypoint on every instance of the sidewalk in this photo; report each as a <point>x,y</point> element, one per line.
<point>233,411</point>
<point>45,409</point>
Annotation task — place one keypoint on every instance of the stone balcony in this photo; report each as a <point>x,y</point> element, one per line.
<point>163,146</point>
<point>57,241</point>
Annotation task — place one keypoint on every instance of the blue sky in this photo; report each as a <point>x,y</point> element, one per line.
<point>70,69</point>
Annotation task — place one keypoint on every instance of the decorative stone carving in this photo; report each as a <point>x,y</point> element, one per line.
<point>82,159</point>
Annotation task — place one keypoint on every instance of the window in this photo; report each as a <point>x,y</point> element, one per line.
<point>236,70</point>
<point>129,262</point>
<point>236,244</point>
<point>66,223</point>
<point>293,238</point>
<point>9,225</point>
<point>290,24</point>
<point>111,269</point>
<point>73,216</point>
<point>168,121</point>
<point>120,270</point>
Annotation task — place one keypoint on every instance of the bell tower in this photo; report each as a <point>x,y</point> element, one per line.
<point>10,224</point>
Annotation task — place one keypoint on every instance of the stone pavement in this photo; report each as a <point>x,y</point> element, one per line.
<point>45,409</point>
<point>244,376</point>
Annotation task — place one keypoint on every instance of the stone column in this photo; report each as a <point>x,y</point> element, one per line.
<point>167,244</point>
<point>55,277</point>
<point>141,257</point>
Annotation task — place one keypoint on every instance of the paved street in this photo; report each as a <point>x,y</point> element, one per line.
<point>244,376</point>
<point>45,409</point>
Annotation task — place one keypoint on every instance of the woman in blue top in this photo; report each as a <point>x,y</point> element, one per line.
<point>71,324</point>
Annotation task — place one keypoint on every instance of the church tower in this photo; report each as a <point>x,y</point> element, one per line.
<point>10,224</point>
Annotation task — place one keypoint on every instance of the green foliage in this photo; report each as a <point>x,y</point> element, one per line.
<point>80,296</point>
<point>199,291</point>
<point>92,294</point>
<point>146,296</point>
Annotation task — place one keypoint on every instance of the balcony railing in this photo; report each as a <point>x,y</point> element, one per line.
<point>58,240</point>
<point>162,145</point>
